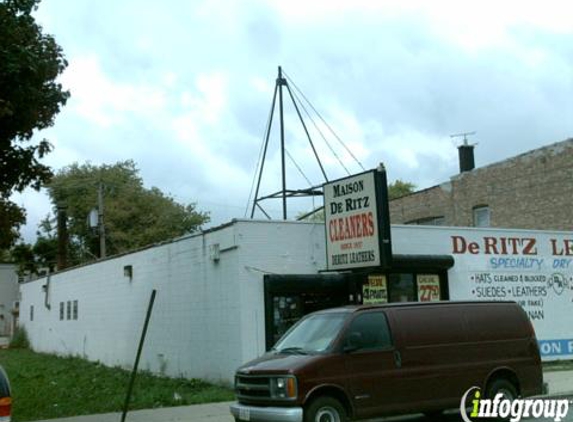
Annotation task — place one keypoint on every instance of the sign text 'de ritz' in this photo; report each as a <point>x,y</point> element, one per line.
<point>353,221</point>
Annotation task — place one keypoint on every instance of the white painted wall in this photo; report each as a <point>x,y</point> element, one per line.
<point>8,295</point>
<point>276,248</point>
<point>209,315</point>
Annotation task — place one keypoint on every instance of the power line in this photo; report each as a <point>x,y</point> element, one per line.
<point>325,122</point>
<point>298,168</point>
<point>321,134</point>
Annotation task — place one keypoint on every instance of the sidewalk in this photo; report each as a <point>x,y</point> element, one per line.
<point>559,383</point>
<point>212,412</point>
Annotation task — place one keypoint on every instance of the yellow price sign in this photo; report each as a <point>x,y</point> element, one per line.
<point>376,291</point>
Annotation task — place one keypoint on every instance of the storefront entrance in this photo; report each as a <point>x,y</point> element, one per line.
<point>412,278</point>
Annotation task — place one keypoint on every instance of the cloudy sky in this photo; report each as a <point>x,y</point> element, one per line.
<point>184,88</point>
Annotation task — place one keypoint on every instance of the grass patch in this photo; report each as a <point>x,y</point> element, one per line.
<point>46,386</point>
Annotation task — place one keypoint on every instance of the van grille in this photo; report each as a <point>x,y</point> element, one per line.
<point>252,387</point>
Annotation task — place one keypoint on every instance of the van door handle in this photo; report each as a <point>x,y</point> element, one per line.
<point>398,358</point>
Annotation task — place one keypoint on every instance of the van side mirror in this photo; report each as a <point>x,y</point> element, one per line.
<point>353,342</point>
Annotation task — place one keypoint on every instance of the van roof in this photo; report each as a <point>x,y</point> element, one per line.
<point>358,308</point>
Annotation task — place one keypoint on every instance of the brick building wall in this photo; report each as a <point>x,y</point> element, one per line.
<point>533,190</point>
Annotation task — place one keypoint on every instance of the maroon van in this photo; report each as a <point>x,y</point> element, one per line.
<point>362,362</point>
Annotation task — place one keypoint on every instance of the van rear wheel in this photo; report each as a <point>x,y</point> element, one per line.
<point>502,386</point>
<point>325,409</point>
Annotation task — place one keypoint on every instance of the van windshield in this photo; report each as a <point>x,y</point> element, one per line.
<point>311,334</point>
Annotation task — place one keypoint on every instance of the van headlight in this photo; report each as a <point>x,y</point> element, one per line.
<point>283,387</point>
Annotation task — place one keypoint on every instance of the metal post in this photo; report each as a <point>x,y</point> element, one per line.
<point>281,82</point>
<point>306,131</point>
<point>102,251</point>
<point>139,349</point>
<point>267,135</point>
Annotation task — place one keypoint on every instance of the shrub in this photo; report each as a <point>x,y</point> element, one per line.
<point>20,339</point>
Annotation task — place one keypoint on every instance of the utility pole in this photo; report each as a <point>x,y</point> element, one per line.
<point>102,252</point>
<point>62,258</point>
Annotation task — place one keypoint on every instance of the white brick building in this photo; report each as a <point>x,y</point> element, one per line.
<point>213,309</point>
<point>208,315</point>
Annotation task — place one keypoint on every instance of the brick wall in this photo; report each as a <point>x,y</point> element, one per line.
<point>530,191</point>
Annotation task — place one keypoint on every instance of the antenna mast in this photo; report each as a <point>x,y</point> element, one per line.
<point>464,134</point>
<point>284,193</point>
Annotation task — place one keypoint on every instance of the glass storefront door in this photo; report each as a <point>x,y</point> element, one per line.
<point>289,297</point>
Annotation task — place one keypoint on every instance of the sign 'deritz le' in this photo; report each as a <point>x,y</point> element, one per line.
<point>357,222</point>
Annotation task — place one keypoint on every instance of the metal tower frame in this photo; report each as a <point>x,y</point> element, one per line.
<point>284,193</point>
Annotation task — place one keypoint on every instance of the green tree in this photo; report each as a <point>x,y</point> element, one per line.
<point>134,216</point>
<point>315,217</point>
<point>399,189</point>
<point>30,98</point>
<point>42,254</point>
<point>395,190</point>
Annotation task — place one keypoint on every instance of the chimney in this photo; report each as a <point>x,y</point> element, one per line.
<point>466,154</point>
<point>62,257</point>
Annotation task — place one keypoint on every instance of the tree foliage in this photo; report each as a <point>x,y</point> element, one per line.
<point>395,190</point>
<point>399,189</point>
<point>11,218</point>
<point>30,98</point>
<point>134,216</point>
<point>41,257</point>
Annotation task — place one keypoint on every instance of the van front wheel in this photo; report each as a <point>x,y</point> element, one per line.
<point>503,387</point>
<point>325,409</point>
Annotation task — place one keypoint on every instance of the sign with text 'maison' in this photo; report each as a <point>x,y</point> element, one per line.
<point>357,223</point>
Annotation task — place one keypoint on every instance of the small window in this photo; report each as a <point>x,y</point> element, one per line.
<point>402,287</point>
<point>371,331</point>
<point>69,310</point>
<point>429,221</point>
<point>31,312</point>
<point>61,311</point>
<point>481,216</point>
<point>75,310</point>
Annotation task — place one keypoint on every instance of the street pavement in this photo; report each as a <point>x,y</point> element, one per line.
<point>211,412</point>
<point>560,384</point>
<point>219,412</point>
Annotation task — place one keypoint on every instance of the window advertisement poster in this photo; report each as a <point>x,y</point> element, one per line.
<point>428,287</point>
<point>376,291</point>
<point>356,221</point>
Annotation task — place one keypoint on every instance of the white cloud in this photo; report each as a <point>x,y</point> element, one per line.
<point>184,88</point>
<point>99,99</point>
